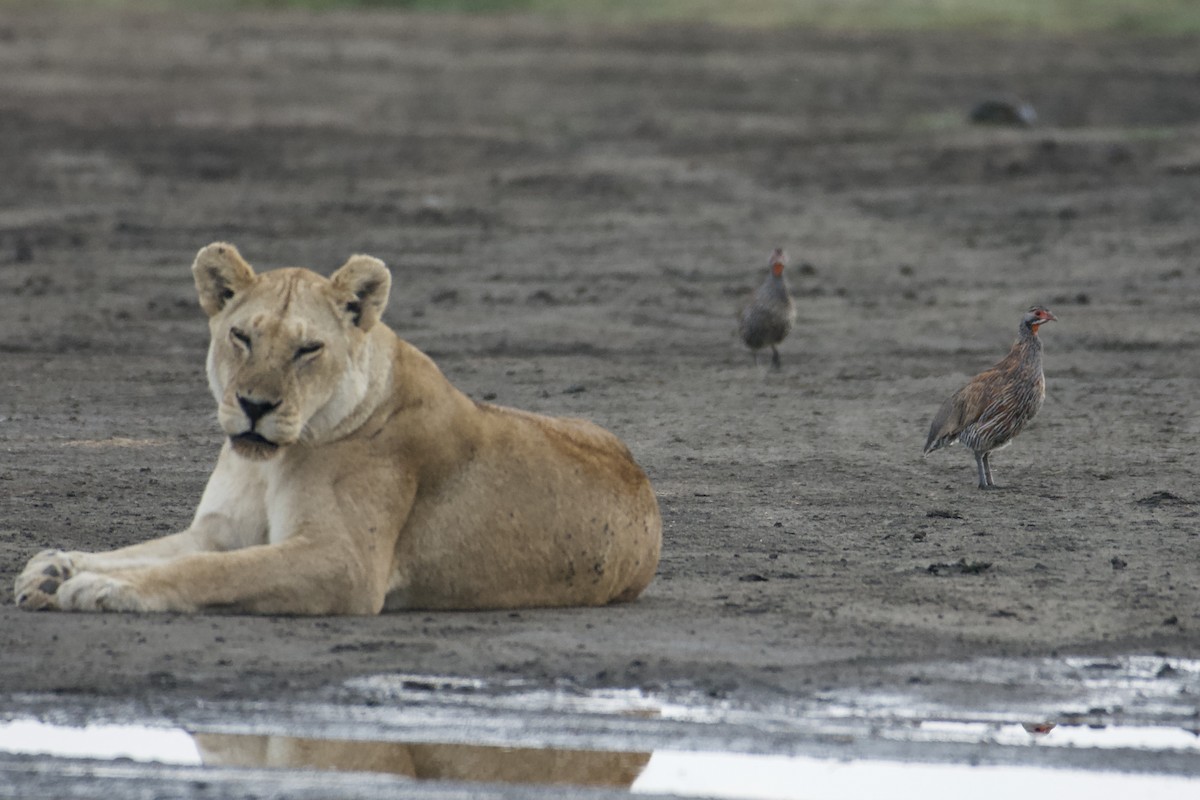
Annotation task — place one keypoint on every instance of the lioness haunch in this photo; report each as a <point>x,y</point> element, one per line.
<point>355,478</point>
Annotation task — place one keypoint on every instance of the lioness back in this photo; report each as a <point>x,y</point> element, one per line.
<point>554,511</point>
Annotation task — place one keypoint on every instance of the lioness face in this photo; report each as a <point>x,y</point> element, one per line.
<point>287,359</point>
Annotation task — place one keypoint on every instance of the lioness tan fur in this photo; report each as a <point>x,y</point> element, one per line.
<point>355,477</point>
<point>435,761</point>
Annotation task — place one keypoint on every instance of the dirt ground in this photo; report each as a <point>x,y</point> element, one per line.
<point>572,215</point>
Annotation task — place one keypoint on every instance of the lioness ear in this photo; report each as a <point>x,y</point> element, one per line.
<point>368,282</point>
<point>220,273</point>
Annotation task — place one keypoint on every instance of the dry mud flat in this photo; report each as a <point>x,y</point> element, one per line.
<point>571,215</point>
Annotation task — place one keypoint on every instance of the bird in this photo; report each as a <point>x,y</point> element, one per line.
<point>769,315</point>
<point>996,404</point>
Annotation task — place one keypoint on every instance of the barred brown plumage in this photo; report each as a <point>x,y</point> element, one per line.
<point>769,315</point>
<point>996,404</point>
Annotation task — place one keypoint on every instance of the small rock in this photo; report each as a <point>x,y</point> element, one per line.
<point>1119,154</point>
<point>1004,112</point>
<point>960,567</point>
<point>1118,562</point>
<point>542,296</point>
<point>1162,498</point>
<point>575,388</point>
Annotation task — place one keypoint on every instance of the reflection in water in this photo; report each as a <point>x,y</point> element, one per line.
<point>685,773</point>
<point>134,742</point>
<point>729,775</point>
<point>1090,735</point>
<point>457,762</point>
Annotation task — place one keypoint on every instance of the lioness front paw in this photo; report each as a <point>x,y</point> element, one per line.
<point>35,588</point>
<point>95,591</point>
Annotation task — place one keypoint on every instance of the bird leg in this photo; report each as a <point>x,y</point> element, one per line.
<point>987,469</point>
<point>774,357</point>
<point>981,465</point>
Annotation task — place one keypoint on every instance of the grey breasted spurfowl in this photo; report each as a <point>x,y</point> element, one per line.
<point>769,315</point>
<point>996,404</point>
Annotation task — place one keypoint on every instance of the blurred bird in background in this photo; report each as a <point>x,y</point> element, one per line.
<point>769,315</point>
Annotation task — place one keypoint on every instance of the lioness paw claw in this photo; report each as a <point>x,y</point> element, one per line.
<point>37,600</point>
<point>35,588</point>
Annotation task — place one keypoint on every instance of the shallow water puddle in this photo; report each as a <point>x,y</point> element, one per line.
<point>1093,729</point>
<point>1049,734</point>
<point>679,772</point>
<point>135,742</point>
<point>706,774</point>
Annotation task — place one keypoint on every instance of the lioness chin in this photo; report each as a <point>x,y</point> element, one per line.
<point>355,478</point>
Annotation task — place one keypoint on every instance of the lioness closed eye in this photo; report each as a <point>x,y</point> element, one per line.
<point>355,478</point>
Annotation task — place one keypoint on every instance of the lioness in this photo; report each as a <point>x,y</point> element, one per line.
<point>355,478</point>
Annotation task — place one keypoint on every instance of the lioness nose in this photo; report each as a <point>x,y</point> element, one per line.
<point>255,410</point>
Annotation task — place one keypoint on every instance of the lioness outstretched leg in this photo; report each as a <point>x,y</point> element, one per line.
<point>265,579</point>
<point>37,586</point>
